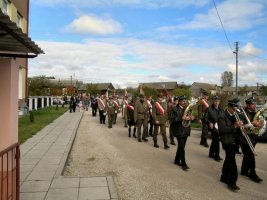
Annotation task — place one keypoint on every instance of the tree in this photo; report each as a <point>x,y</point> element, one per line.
<point>92,89</point>
<point>39,86</point>
<point>227,79</point>
<point>182,91</point>
<point>263,90</point>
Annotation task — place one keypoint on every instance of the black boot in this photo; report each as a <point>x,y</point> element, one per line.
<point>166,146</point>
<point>156,144</point>
<point>134,133</point>
<point>129,130</point>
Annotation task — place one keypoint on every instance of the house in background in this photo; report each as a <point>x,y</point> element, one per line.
<point>15,48</point>
<point>161,87</point>
<point>103,87</point>
<point>197,89</point>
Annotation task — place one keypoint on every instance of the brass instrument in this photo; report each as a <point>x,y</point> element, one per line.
<point>188,112</point>
<point>245,127</point>
<point>260,117</point>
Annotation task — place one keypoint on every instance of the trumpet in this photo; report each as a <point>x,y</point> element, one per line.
<point>244,128</point>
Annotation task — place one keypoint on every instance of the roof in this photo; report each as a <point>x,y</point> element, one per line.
<point>205,86</point>
<point>247,88</point>
<point>104,86</point>
<point>15,43</point>
<point>161,85</point>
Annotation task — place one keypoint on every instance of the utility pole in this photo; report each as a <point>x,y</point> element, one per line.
<point>71,80</point>
<point>236,65</point>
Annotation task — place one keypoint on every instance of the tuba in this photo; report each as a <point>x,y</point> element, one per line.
<point>188,111</point>
<point>260,117</point>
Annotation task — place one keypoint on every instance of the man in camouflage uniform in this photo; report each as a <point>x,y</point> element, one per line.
<point>110,109</point>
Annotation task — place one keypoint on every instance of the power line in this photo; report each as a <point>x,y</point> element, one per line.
<point>222,25</point>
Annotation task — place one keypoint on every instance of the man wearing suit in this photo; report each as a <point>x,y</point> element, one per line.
<point>160,115</point>
<point>141,118</point>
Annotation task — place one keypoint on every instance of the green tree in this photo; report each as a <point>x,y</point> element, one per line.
<point>263,90</point>
<point>39,86</point>
<point>227,79</point>
<point>92,89</point>
<point>182,91</point>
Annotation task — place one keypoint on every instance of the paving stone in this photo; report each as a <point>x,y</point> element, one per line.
<point>35,186</point>
<point>41,175</point>
<point>93,182</point>
<point>93,193</point>
<point>32,196</point>
<point>62,194</point>
<point>65,183</point>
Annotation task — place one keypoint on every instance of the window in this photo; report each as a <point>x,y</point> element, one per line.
<point>5,5</point>
<point>19,18</point>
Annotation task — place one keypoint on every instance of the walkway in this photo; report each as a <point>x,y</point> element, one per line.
<point>43,158</point>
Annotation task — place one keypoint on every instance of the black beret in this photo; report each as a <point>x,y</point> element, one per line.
<point>175,98</point>
<point>251,100</point>
<point>216,98</point>
<point>233,102</point>
<point>181,98</point>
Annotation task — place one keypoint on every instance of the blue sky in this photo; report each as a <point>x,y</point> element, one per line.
<point>131,41</point>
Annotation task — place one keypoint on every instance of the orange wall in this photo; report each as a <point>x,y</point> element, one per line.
<point>9,73</point>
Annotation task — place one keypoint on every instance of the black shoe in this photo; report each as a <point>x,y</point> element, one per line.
<point>156,145</point>
<point>223,180</point>
<point>172,143</point>
<point>218,158</point>
<point>166,146</point>
<point>185,167</point>
<point>139,140</point>
<point>211,156</point>
<point>256,179</point>
<point>233,187</point>
<point>134,136</point>
<point>145,139</point>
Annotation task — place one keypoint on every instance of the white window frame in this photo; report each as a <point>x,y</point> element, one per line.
<point>19,20</point>
<point>5,6</point>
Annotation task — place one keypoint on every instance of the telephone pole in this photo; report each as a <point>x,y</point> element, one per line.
<point>236,65</point>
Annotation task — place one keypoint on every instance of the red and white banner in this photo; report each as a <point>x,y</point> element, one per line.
<point>101,104</point>
<point>160,109</point>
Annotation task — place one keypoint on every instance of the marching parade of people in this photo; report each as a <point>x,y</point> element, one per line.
<point>231,128</point>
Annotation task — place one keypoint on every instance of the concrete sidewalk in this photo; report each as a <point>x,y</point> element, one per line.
<point>43,158</point>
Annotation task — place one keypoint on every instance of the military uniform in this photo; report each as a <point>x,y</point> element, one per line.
<point>180,132</point>
<point>211,120</point>
<point>202,107</point>
<point>248,163</point>
<point>130,119</point>
<point>116,109</point>
<point>229,129</point>
<point>159,115</point>
<point>101,107</point>
<point>141,118</point>
<point>110,109</point>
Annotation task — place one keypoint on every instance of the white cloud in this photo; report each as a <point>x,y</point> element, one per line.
<point>137,3</point>
<point>250,49</point>
<point>87,24</point>
<point>105,61</point>
<point>235,15</point>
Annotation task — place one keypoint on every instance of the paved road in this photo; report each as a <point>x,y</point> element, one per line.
<point>141,171</point>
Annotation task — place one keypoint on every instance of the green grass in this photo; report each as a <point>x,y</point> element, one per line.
<point>42,118</point>
<point>195,124</point>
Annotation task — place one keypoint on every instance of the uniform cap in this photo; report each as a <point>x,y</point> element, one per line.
<point>205,93</point>
<point>216,98</point>
<point>175,98</point>
<point>251,100</point>
<point>233,102</point>
<point>181,98</point>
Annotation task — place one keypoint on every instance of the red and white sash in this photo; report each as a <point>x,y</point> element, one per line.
<point>101,104</point>
<point>204,103</point>
<point>148,104</point>
<point>160,109</point>
<point>116,104</point>
<point>130,107</point>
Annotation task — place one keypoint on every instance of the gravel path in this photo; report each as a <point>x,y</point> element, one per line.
<point>143,172</point>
